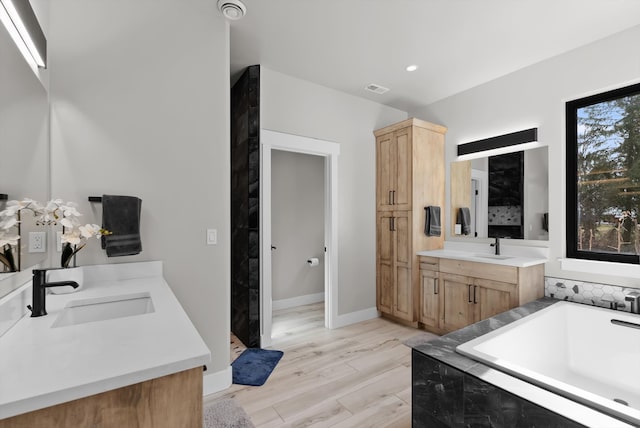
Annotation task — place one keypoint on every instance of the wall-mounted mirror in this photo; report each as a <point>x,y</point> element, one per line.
<point>505,196</point>
<point>24,143</point>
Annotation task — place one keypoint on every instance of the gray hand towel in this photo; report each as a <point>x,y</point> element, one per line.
<point>121,216</point>
<point>464,219</point>
<point>432,224</point>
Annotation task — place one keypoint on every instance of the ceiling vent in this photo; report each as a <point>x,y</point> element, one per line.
<point>376,89</point>
<point>232,9</point>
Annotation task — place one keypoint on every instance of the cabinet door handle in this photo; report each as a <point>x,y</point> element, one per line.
<point>475,300</point>
<point>435,285</point>
<point>390,197</point>
<point>469,290</point>
<point>392,224</point>
<point>393,197</point>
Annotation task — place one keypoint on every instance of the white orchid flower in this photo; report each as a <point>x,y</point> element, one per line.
<point>53,205</point>
<point>72,237</point>
<point>70,211</point>
<point>90,230</point>
<point>9,239</point>
<point>68,223</point>
<point>8,223</point>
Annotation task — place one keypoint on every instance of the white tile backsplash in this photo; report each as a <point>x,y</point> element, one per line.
<point>590,293</point>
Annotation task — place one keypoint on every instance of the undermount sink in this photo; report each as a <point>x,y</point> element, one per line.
<point>492,256</point>
<point>104,308</point>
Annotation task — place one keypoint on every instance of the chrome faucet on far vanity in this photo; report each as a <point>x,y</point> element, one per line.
<point>497,245</point>
<point>39,291</point>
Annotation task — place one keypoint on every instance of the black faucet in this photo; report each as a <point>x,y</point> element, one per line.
<point>40,291</point>
<point>497,245</point>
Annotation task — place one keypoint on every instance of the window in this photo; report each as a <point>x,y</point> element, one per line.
<point>603,176</point>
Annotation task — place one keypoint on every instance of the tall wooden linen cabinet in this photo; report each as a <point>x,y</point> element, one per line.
<point>409,177</point>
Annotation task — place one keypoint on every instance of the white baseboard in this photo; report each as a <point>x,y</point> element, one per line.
<point>217,381</point>
<point>297,301</point>
<point>355,317</point>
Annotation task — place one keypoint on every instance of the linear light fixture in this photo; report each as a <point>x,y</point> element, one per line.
<point>506,143</point>
<point>21,23</point>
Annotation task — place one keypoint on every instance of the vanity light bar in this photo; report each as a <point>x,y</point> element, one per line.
<point>21,22</point>
<point>501,141</point>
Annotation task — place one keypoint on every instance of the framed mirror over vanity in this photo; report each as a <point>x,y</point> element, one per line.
<point>506,195</point>
<point>24,150</point>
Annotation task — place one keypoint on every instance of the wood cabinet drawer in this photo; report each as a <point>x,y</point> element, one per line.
<point>488,271</point>
<point>429,263</point>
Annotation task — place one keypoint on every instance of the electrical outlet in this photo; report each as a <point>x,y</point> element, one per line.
<point>37,242</point>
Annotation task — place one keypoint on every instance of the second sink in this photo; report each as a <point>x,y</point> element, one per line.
<point>104,308</point>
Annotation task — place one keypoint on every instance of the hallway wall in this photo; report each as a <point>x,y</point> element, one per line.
<point>298,107</point>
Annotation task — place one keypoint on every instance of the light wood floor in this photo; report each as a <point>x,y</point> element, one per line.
<point>355,376</point>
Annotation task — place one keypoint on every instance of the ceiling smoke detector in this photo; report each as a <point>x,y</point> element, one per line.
<point>232,9</point>
<point>376,89</point>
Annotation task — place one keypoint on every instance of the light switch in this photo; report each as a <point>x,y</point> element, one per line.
<point>212,236</point>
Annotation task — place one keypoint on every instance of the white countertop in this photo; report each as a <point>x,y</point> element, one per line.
<point>504,259</point>
<point>42,366</point>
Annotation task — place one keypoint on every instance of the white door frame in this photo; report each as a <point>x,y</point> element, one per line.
<point>272,140</point>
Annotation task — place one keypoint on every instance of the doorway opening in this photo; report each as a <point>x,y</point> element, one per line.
<point>270,141</point>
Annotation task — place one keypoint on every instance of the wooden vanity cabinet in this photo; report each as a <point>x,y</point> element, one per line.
<point>469,292</point>
<point>169,401</point>
<point>409,177</point>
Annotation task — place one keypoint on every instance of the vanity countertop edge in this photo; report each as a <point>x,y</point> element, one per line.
<point>515,261</point>
<point>42,366</point>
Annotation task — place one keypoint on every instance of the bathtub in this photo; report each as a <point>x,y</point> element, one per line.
<point>588,354</point>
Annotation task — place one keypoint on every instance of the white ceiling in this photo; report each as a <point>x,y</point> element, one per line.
<point>457,44</point>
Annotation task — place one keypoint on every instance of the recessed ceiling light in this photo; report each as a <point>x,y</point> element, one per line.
<point>412,67</point>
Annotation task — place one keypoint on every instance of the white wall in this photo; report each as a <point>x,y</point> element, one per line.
<point>298,107</point>
<point>297,224</point>
<point>536,97</point>
<point>140,106</point>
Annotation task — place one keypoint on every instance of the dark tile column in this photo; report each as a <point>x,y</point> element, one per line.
<point>245,197</point>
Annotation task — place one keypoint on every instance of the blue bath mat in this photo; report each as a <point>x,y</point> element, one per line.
<point>254,366</point>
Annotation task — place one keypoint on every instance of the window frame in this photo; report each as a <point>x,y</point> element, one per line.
<point>571,145</point>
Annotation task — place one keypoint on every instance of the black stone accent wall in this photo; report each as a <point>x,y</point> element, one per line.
<point>245,186</point>
<point>443,396</point>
